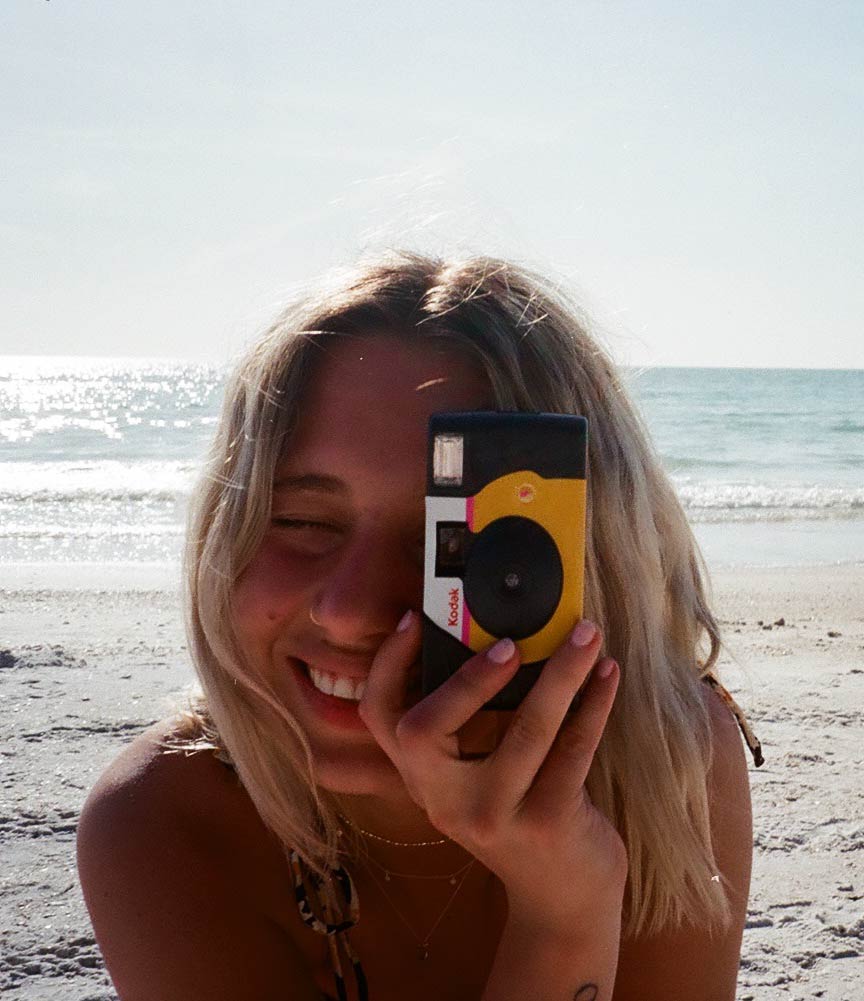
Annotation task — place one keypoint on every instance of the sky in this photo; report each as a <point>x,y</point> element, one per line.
<point>171,173</point>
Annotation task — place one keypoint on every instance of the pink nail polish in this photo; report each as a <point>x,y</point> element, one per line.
<point>584,632</point>
<point>501,652</point>
<point>405,621</point>
<point>605,667</point>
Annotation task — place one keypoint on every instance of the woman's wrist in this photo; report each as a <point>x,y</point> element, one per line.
<point>571,917</point>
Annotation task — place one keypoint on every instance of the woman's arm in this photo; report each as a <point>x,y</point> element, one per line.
<point>523,811</point>
<point>575,966</point>
<point>689,964</point>
<point>169,908</point>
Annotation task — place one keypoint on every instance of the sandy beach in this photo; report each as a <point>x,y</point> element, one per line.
<point>82,670</point>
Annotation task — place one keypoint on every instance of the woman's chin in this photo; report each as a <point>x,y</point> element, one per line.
<point>360,772</point>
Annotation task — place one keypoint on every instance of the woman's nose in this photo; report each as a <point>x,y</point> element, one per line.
<point>367,591</point>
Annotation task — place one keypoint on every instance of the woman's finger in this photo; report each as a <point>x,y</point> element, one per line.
<point>435,721</point>
<point>536,722</point>
<point>383,702</point>
<point>567,764</point>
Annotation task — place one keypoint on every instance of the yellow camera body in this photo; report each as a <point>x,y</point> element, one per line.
<point>505,540</point>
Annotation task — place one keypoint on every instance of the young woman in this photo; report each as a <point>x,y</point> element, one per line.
<point>312,829</point>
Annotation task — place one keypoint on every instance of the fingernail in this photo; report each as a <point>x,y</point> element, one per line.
<point>605,667</point>
<point>583,633</point>
<point>502,651</point>
<point>405,621</point>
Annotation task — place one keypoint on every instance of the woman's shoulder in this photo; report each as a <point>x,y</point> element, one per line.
<point>175,861</point>
<point>165,785</point>
<point>153,777</point>
<point>693,959</point>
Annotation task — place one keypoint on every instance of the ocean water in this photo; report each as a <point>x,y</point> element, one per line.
<point>97,458</point>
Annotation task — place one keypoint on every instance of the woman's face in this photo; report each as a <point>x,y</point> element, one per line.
<point>342,559</point>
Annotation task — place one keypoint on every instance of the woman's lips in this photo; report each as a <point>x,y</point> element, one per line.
<point>338,712</point>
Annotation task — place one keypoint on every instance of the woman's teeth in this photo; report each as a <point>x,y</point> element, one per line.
<point>342,688</point>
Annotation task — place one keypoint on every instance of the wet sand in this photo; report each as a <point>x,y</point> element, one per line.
<point>83,670</point>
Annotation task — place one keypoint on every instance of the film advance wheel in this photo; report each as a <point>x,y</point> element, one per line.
<point>513,578</point>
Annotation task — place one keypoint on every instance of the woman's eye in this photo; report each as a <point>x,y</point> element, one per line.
<point>308,535</point>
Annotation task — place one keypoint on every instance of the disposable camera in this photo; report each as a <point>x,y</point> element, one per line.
<point>505,540</point>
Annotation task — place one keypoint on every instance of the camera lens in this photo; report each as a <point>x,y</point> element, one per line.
<point>513,577</point>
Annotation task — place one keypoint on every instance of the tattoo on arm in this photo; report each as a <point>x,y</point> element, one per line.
<point>587,992</point>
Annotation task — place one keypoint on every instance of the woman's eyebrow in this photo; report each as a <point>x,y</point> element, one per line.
<point>311,481</point>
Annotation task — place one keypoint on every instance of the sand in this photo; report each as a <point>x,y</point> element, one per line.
<point>82,671</point>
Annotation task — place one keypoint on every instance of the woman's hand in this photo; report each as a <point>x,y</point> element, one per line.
<point>523,810</point>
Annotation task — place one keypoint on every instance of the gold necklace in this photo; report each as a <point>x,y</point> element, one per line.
<point>387,841</point>
<point>423,943</point>
<point>389,873</point>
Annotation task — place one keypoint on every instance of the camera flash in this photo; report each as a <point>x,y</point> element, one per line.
<point>447,460</point>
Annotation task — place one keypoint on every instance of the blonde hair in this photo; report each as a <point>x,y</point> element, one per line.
<point>644,581</point>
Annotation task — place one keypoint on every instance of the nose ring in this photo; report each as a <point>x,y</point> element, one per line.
<point>314,621</point>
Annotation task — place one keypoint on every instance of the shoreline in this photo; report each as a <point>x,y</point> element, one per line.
<point>788,545</point>
<point>83,669</point>
<point>726,545</point>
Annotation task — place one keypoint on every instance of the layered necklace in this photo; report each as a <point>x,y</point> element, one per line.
<point>386,874</point>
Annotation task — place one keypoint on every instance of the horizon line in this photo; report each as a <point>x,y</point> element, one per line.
<point>214,362</point>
